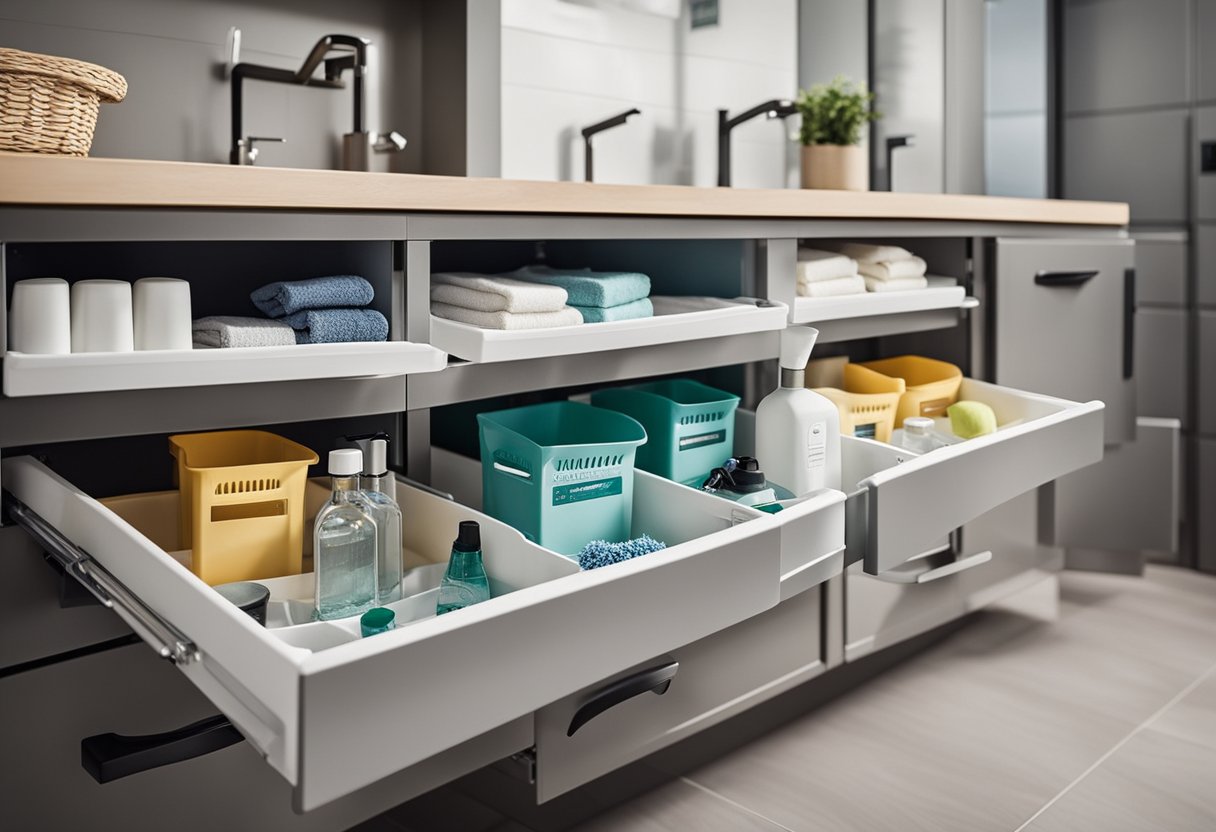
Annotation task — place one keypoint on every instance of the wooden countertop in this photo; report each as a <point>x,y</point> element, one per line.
<point>60,181</point>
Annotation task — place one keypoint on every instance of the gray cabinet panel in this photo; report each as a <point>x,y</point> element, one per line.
<point>1205,259</point>
<point>1068,340</point>
<point>1138,158</point>
<point>1125,53</point>
<point>1207,497</point>
<point>1161,336</point>
<point>1161,269</point>
<point>1207,49</point>
<point>1207,372</point>
<point>1205,183</point>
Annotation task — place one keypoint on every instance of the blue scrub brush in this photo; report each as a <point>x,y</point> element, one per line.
<point>599,553</point>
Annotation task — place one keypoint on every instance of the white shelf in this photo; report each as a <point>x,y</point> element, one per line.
<point>675,319</point>
<point>47,375</point>
<point>941,293</point>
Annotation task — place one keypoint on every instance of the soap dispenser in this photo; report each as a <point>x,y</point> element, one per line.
<point>798,430</point>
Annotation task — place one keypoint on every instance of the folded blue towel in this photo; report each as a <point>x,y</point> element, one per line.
<point>288,297</point>
<point>599,553</point>
<point>587,288</point>
<point>622,312</point>
<point>335,326</point>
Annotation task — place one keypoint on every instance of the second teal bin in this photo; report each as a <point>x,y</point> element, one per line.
<point>690,426</point>
<point>561,473</point>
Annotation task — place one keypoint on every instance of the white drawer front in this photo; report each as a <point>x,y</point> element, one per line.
<point>904,505</point>
<point>333,712</point>
<point>717,677</point>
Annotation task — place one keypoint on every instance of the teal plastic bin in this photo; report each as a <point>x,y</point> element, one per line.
<point>690,426</point>
<point>561,473</point>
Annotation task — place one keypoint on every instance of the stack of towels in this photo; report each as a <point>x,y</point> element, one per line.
<point>539,297</point>
<point>322,310</point>
<point>826,274</point>
<point>885,268</point>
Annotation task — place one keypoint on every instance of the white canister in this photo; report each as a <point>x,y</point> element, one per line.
<point>162,314</point>
<point>39,319</point>
<point>101,316</point>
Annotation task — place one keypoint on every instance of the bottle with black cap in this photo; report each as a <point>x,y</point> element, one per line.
<point>740,479</point>
<point>465,583</point>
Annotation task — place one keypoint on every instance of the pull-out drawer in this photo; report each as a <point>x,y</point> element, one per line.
<point>904,505</point>
<point>671,697</point>
<point>333,712</point>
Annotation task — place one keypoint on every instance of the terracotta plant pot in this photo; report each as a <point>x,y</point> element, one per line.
<point>835,167</point>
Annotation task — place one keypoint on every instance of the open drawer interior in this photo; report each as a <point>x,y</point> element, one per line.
<point>333,712</point>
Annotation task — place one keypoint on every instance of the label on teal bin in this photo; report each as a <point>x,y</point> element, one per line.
<point>577,492</point>
<point>702,440</point>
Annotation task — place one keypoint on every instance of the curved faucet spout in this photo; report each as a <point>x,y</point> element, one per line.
<point>774,108</point>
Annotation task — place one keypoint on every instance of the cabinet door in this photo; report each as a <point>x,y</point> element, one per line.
<point>1063,325</point>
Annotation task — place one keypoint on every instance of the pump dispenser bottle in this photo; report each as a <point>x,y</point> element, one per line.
<point>378,487</point>
<point>798,430</point>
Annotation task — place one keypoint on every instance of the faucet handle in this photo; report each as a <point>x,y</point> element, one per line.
<point>390,142</point>
<point>248,152</point>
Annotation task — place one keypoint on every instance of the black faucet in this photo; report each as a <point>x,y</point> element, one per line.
<point>351,56</point>
<point>599,127</point>
<point>776,108</point>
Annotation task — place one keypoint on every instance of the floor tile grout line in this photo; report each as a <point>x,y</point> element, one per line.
<point>734,803</point>
<point>1174,700</point>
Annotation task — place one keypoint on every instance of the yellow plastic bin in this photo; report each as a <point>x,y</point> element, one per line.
<point>932,385</point>
<point>242,503</point>
<point>868,402</point>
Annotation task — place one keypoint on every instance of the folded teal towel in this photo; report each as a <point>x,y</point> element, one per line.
<point>335,326</point>
<point>288,297</point>
<point>587,288</point>
<point>622,312</point>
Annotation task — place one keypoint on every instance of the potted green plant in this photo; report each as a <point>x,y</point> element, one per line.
<point>832,118</point>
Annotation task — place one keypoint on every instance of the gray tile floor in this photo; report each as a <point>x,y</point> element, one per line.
<point>1096,714</point>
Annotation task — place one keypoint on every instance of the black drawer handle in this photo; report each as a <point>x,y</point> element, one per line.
<point>657,679</point>
<point>1129,323</point>
<point>112,756</point>
<point>1054,279</point>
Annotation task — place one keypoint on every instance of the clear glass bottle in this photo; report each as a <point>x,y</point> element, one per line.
<point>918,435</point>
<point>378,487</point>
<point>465,583</point>
<point>344,543</point>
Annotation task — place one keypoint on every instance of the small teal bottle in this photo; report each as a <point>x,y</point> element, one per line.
<point>465,582</point>
<point>344,543</point>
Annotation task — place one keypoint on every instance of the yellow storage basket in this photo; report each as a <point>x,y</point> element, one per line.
<point>867,404</point>
<point>932,385</point>
<point>242,503</point>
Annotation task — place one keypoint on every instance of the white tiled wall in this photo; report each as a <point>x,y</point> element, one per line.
<point>569,64</point>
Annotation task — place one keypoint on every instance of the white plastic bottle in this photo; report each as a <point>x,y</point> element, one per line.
<point>797,430</point>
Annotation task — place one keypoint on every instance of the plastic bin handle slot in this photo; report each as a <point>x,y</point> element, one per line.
<point>515,472</point>
<point>657,679</point>
<point>110,757</point>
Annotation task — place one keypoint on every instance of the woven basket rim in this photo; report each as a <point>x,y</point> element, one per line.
<point>106,83</point>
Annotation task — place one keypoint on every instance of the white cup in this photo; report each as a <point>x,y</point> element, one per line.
<point>162,314</point>
<point>101,316</point>
<point>39,320</point>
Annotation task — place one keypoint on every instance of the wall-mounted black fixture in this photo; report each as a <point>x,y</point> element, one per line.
<point>781,108</point>
<point>893,143</point>
<point>599,127</point>
<point>1207,157</point>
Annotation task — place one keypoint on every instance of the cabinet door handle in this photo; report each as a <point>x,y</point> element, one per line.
<point>1129,322</point>
<point>1057,279</point>
<point>113,756</point>
<point>657,679</point>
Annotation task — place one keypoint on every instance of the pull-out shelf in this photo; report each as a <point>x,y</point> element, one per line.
<point>333,713</point>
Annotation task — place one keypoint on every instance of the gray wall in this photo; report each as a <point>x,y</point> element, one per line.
<point>1139,93</point>
<point>1015,99</point>
<point>178,105</point>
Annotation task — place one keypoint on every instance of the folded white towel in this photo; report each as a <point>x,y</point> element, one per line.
<point>485,293</point>
<point>232,331</point>
<point>899,284</point>
<point>508,320</point>
<point>869,253</point>
<point>814,264</point>
<point>893,269</point>
<point>851,285</point>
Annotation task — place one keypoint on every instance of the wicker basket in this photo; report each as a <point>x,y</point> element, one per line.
<point>49,104</point>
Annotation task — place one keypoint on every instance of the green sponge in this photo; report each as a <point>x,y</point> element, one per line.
<point>971,419</point>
